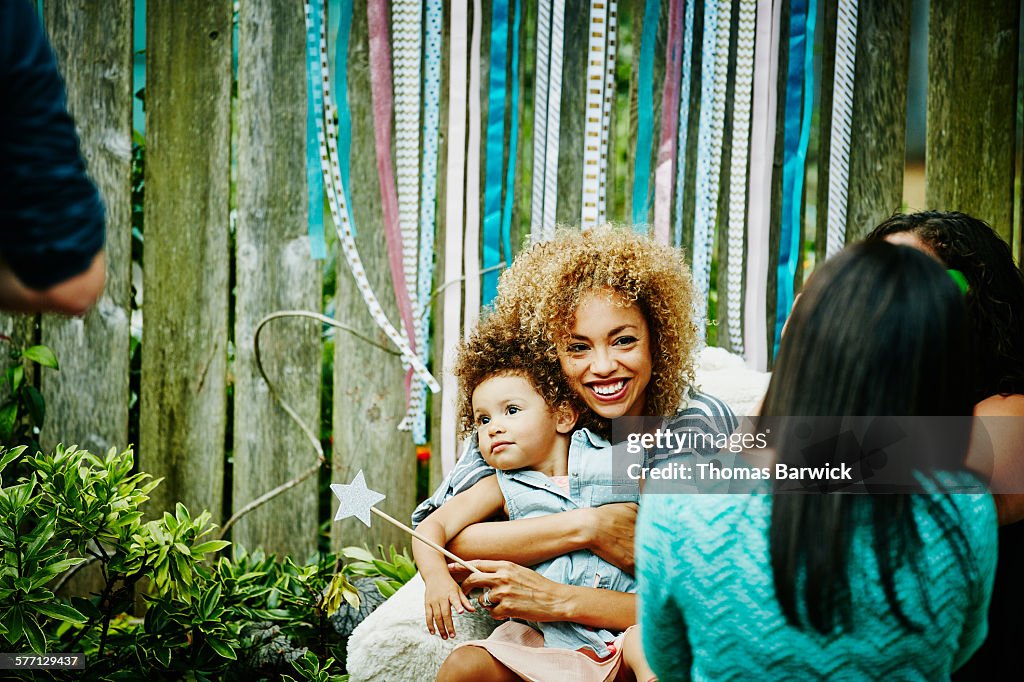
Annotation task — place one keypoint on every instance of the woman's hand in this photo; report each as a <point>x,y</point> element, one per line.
<point>612,528</point>
<point>514,591</point>
<point>440,597</point>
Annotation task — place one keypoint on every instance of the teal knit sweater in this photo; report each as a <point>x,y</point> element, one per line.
<point>708,609</point>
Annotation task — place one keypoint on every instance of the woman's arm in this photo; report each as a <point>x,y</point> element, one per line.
<point>606,531</point>
<point>1007,443</point>
<point>518,592</point>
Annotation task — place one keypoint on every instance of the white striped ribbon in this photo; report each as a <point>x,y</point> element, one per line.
<point>428,195</point>
<point>684,122</point>
<point>407,50</point>
<point>327,139</point>
<point>593,110</point>
<point>471,249</point>
<point>714,70</point>
<point>455,182</point>
<point>762,153</point>
<point>842,118</point>
<point>540,119</point>
<point>606,110</point>
<point>738,170</point>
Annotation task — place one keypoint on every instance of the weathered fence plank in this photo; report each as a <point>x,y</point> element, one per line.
<point>87,401</point>
<point>369,400</point>
<point>572,113</point>
<point>972,67</point>
<point>878,128</point>
<point>274,272</point>
<point>185,274</point>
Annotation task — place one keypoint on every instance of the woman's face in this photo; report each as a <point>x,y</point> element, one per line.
<point>607,358</point>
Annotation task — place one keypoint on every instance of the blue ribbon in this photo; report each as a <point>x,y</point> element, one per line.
<point>797,134</point>
<point>684,121</point>
<point>510,172</point>
<point>491,236</point>
<point>428,190</point>
<point>645,116</point>
<point>314,103</point>
<point>341,99</point>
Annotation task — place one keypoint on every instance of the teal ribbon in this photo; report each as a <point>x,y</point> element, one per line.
<point>341,99</point>
<point>491,237</point>
<point>314,103</point>
<point>513,151</point>
<point>645,116</point>
<point>797,134</point>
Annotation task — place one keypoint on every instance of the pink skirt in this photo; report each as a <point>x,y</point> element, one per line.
<point>521,648</point>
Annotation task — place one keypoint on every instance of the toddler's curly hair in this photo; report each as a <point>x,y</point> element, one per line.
<point>547,283</point>
<point>497,347</point>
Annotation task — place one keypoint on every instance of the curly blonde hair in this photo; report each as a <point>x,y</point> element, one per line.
<point>498,348</point>
<point>547,283</point>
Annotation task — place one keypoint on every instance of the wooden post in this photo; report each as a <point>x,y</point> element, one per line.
<point>972,77</point>
<point>879,126</point>
<point>572,113</point>
<point>369,400</point>
<point>87,401</point>
<point>184,352</point>
<point>274,271</point>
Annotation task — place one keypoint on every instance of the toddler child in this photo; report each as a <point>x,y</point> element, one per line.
<point>524,415</point>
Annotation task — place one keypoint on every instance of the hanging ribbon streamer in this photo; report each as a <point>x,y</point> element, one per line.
<point>383,108</point>
<point>327,138</point>
<point>496,88</point>
<point>762,153</point>
<point>455,184</point>
<point>645,115</point>
<point>684,122</point>
<point>314,180</point>
<point>669,124</point>
<point>513,151</point>
<point>344,115</point>
<point>714,69</point>
<point>471,248</point>
<point>428,195</point>
<point>540,120</point>
<point>738,170</point>
<point>593,110</point>
<point>407,23</point>
<point>799,86</point>
<point>606,110</point>
<point>554,117</point>
<point>842,118</point>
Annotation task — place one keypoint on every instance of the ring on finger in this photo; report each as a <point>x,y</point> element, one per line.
<point>486,601</point>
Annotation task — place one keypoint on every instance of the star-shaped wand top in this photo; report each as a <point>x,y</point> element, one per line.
<point>356,499</point>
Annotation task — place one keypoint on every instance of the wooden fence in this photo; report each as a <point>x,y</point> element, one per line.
<point>213,151</point>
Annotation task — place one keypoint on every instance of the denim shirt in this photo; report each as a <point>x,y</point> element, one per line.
<point>531,494</point>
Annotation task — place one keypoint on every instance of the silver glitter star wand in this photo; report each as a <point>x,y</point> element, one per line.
<point>357,500</point>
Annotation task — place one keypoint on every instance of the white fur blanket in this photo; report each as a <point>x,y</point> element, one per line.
<point>393,645</point>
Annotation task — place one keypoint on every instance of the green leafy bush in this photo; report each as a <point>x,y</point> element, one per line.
<point>245,617</point>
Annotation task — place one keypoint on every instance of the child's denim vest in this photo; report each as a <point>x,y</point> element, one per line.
<point>531,493</point>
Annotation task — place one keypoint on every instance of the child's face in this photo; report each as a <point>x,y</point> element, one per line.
<point>515,427</point>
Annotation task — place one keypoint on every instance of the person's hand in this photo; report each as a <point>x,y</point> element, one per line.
<point>440,597</point>
<point>512,591</point>
<point>612,529</point>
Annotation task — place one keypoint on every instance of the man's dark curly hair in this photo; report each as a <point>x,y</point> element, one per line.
<point>497,347</point>
<point>995,297</point>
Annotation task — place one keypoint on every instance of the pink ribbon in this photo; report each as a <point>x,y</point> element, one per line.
<point>663,174</point>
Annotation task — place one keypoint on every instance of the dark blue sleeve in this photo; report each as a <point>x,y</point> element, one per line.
<point>51,215</point>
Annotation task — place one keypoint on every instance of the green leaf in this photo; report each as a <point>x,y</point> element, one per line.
<point>16,375</point>
<point>385,588</point>
<point>8,456</point>
<point>211,546</point>
<point>221,648</point>
<point>36,405</point>
<point>210,601</point>
<point>357,553</point>
<point>15,625</point>
<point>8,415</point>
<point>41,354</point>
<point>34,635</point>
<point>60,612</point>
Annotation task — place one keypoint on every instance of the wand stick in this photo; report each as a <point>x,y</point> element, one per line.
<point>422,539</point>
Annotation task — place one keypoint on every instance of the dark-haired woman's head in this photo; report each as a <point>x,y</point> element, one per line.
<point>995,295</point>
<point>879,330</point>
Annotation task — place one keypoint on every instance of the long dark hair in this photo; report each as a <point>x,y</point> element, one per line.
<point>879,330</point>
<point>995,297</point>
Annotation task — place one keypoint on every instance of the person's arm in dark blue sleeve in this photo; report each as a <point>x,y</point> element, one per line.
<point>51,215</point>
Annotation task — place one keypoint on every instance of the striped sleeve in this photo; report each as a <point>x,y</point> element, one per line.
<point>469,469</point>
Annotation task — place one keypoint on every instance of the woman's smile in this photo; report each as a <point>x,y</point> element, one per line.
<point>607,357</point>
